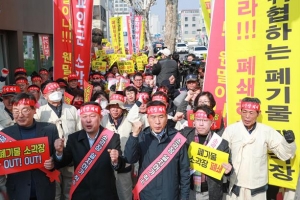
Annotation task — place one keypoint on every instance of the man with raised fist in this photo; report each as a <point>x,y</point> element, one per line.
<point>249,142</point>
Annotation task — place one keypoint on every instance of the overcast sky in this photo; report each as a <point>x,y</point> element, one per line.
<point>159,8</point>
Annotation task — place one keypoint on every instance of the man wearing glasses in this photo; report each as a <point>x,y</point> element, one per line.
<point>67,121</point>
<point>32,184</point>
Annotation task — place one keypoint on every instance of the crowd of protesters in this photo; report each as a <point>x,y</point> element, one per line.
<point>139,121</point>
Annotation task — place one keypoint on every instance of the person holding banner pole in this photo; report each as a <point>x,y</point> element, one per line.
<point>249,142</point>
<point>162,156</point>
<point>31,184</point>
<point>96,154</point>
<point>205,187</point>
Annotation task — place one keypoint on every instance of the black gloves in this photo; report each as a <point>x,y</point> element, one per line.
<point>289,136</point>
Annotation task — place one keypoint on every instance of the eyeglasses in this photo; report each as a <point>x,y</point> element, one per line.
<point>24,111</point>
<point>139,80</point>
<point>203,102</point>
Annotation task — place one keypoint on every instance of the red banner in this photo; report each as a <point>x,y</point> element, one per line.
<point>22,155</point>
<point>45,45</point>
<point>137,29</point>
<point>215,73</point>
<point>82,11</point>
<point>68,98</point>
<point>88,91</point>
<point>129,35</point>
<point>62,39</point>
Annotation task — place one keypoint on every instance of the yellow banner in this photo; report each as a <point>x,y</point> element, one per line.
<point>99,66</point>
<point>142,36</point>
<point>262,59</point>
<point>113,26</point>
<point>112,59</point>
<point>139,63</point>
<point>126,67</point>
<point>206,12</point>
<point>120,35</point>
<point>207,160</point>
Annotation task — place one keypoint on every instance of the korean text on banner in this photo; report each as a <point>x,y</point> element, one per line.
<point>137,27</point>
<point>120,35</point>
<point>129,34</point>
<point>206,11</point>
<point>207,160</point>
<point>87,91</point>
<point>142,37</point>
<point>82,34</point>
<point>62,39</point>
<point>45,45</point>
<point>126,67</point>
<point>264,58</point>
<point>68,98</point>
<point>22,155</point>
<point>113,26</point>
<point>215,74</point>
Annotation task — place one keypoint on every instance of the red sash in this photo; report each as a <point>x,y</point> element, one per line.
<point>158,164</point>
<point>53,175</point>
<point>90,159</point>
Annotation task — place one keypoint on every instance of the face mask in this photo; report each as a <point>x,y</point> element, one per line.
<point>77,104</point>
<point>103,104</point>
<point>55,96</point>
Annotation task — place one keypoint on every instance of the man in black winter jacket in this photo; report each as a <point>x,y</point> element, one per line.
<point>210,188</point>
<point>173,182</point>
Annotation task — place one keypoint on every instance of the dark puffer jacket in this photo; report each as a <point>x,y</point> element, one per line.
<point>173,183</point>
<point>215,186</point>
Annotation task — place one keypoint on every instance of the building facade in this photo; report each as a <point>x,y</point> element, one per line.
<point>190,24</point>
<point>26,29</point>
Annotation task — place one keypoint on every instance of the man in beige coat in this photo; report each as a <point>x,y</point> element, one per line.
<point>249,142</point>
<point>117,122</point>
<point>67,121</point>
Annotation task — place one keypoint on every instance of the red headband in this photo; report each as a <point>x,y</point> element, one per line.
<point>25,102</point>
<point>250,106</point>
<point>144,95</point>
<point>10,88</point>
<point>90,108</point>
<point>33,88</point>
<point>20,70</point>
<point>156,110</point>
<point>36,78</point>
<point>202,115</point>
<point>159,98</point>
<point>118,97</point>
<point>22,81</point>
<point>149,76</point>
<point>43,72</point>
<point>51,86</point>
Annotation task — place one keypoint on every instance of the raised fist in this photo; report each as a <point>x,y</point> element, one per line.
<point>289,136</point>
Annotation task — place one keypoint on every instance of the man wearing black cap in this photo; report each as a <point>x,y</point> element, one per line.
<point>20,72</point>
<point>6,117</point>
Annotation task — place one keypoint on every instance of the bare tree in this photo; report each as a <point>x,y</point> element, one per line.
<point>171,24</point>
<point>142,7</point>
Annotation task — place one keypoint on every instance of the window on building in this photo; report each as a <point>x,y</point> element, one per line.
<point>194,19</point>
<point>96,12</point>
<point>193,32</point>
<point>186,32</point>
<point>193,25</point>
<point>2,51</point>
<point>186,25</point>
<point>186,19</point>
